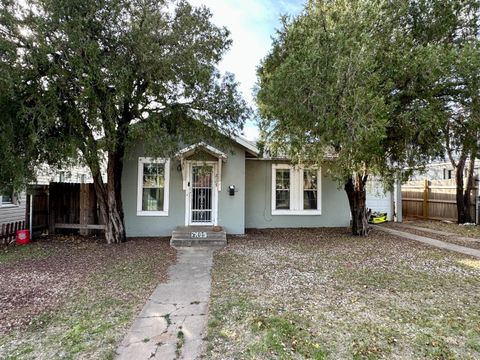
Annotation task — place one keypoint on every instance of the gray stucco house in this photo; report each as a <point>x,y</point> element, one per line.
<point>233,188</point>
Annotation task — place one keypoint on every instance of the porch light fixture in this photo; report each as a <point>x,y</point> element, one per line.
<point>231,190</point>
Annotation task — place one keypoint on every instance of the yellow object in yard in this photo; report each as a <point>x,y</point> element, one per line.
<point>378,218</point>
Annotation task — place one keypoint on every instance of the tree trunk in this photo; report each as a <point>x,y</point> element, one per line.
<point>110,194</point>
<point>114,226</point>
<point>357,196</point>
<point>117,165</point>
<point>460,199</point>
<point>467,200</point>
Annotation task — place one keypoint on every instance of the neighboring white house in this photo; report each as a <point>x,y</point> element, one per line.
<point>443,170</point>
<point>380,200</point>
<point>69,174</point>
<point>13,207</point>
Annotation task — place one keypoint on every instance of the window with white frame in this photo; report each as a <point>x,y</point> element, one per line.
<point>282,189</point>
<point>6,198</point>
<point>295,190</point>
<point>153,186</point>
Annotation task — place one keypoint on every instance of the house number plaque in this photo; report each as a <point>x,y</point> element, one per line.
<point>198,235</point>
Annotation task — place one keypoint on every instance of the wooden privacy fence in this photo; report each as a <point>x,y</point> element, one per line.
<point>433,199</point>
<point>37,203</point>
<point>58,207</point>
<point>73,206</point>
<point>8,231</point>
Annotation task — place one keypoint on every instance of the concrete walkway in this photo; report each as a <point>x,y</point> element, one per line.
<point>437,232</point>
<point>432,242</point>
<point>173,322</point>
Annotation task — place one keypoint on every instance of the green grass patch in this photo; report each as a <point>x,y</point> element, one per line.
<point>473,342</point>
<point>285,338</point>
<point>14,254</point>
<point>235,309</point>
<point>434,347</point>
<point>180,343</point>
<point>373,341</point>
<point>399,279</point>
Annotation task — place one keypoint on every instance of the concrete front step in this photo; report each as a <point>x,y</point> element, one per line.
<point>198,236</point>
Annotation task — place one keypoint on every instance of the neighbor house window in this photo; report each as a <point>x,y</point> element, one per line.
<point>6,198</point>
<point>295,190</point>
<point>153,181</point>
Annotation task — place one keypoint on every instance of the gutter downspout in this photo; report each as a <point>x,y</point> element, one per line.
<point>398,200</point>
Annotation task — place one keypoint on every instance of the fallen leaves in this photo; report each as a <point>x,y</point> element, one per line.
<point>354,297</point>
<point>40,276</point>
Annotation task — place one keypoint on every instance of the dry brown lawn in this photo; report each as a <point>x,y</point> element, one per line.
<point>463,235</point>
<point>72,297</point>
<point>451,227</point>
<point>322,294</point>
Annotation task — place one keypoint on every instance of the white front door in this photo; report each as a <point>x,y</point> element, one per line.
<point>201,199</point>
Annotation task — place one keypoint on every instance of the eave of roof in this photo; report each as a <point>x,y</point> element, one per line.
<point>248,145</point>
<point>189,150</point>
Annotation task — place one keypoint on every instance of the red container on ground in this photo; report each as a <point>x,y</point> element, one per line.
<point>23,237</point>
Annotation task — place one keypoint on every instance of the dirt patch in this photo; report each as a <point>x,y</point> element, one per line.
<point>321,293</point>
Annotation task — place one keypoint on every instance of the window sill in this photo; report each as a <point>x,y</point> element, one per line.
<point>297,212</point>
<point>152,213</point>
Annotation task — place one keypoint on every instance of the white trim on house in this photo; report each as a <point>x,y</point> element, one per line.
<point>247,145</point>
<point>188,193</point>
<point>296,191</point>
<point>149,160</point>
<point>190,150</point>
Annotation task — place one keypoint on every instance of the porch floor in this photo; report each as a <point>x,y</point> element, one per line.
<point>198,236</point>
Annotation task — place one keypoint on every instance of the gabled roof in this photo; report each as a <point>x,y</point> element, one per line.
<point>248,145</point>
<point>190,150</point>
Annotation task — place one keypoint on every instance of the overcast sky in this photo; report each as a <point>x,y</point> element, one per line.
<point>252,24</point>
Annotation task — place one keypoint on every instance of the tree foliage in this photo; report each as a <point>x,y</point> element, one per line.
<point>15,134</point>
<point>461,129</point>
<point>99,76</point>
<point>360,81</point>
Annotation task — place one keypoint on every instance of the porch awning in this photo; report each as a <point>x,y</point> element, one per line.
<point>191,150</point>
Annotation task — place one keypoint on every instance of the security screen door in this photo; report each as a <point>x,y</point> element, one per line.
<point>202,195</point>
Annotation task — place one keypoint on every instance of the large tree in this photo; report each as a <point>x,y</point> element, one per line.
<point>462,126</point>
<point>98,76</point>
<point>15,134</point>
<point>359,82</point>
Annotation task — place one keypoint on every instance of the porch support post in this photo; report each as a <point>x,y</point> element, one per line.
<point>219,175</point>
<point>184,173</point>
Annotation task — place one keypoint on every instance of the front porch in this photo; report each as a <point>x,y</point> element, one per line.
<point>198,236</point>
